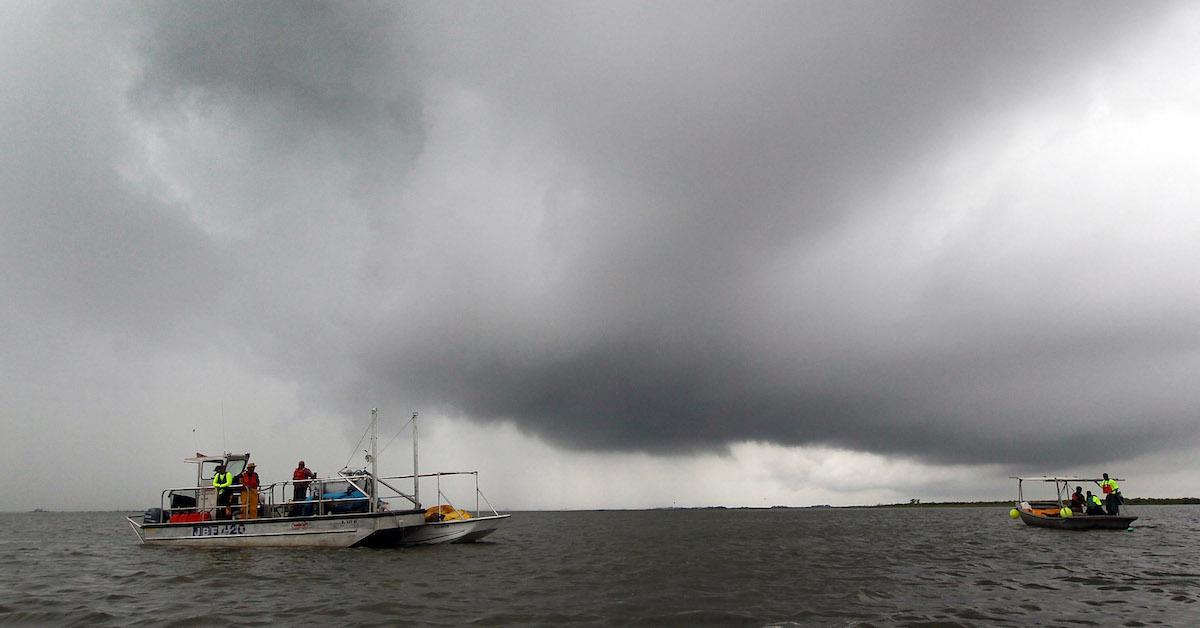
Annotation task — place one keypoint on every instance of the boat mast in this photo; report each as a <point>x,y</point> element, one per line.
<point>416,476</point>
<point>374,462</point>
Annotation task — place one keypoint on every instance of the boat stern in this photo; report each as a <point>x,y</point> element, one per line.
<point>137,529</point>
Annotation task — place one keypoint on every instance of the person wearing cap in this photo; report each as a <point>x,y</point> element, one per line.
<point>250,484</point>
<point>222,482</point>
<point>300,481</point>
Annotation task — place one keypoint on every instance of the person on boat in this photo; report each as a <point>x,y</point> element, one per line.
<point>250,484</point>
<point>300,482</point>
<point>1094,505</point>
<point>1112,495</point>
<point>222,481</point>
<point>1077,500</point>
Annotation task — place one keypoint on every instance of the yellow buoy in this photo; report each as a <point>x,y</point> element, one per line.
<point>1013,514</point>
<point>1064,512</point>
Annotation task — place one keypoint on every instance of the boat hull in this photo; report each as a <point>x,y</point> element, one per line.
<point>1078,522</point>
<point>348,530</point>
<point>457,531</point>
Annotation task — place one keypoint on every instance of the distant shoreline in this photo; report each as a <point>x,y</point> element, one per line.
<point>1006,503</point>
<point>1133,501</point>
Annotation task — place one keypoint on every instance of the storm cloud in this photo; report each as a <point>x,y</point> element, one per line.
<point>957,232</point>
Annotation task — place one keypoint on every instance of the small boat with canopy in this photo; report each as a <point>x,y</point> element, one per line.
<point>1056,512</point>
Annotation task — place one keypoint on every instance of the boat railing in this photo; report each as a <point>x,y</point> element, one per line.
<point>355,478</point>
<point>317,503</point>
<point>236,490</point>
<point>274,501</point>
<point>399,493</point>
<point>441,495</point>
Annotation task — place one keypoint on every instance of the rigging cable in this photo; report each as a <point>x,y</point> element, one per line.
<point>354,449</point>
<point>380,452</point>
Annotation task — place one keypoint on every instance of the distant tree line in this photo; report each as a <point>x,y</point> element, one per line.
<point>1162,501</point>
<point>1135,501</point>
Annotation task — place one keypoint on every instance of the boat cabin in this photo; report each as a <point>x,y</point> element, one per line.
<point>201,498</point>
<point>347,493</point>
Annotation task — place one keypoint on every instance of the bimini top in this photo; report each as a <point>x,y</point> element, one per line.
<point>1064,478</point>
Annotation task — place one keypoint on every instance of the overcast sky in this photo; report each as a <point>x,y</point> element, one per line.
<point>616,254</point>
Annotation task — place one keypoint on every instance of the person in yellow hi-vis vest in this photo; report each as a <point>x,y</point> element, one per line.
<point>249,482</point>
<point>222,480</point>
<point>1112,495</point>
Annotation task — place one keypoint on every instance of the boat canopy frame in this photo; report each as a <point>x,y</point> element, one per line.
<point>1061,484</point>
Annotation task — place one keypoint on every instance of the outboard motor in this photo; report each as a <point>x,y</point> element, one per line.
<point>153,515</point>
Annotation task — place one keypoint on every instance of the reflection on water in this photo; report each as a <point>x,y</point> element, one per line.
<point>964,566</point>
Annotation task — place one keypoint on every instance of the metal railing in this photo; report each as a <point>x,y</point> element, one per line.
<point>273,502</point>
<point>438,479</point>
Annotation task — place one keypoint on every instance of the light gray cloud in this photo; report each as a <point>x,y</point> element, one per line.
<point>76,241</point>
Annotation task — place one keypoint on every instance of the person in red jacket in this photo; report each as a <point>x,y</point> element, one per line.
<point>1078,502</point>
<point>250,484</point>
<point>300,482</point>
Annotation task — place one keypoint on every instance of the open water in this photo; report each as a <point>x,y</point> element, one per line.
<point>827,567</point>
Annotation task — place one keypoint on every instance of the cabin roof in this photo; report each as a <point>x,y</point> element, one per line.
<point>199,457</point>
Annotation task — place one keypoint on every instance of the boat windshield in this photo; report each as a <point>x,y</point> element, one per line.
<point>209,467</point>
<point>236,466</point>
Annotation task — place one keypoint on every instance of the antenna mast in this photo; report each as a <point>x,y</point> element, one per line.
<point>374,463</point>
<point>416,475</point>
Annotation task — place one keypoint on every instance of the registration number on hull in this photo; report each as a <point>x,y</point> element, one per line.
<point>219,530</point>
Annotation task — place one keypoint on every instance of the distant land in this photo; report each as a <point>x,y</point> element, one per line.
<point>1005,503</point>
<point>1133,501</point>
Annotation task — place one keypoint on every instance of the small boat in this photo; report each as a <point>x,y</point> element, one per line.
<point>446,524</point>
<point>351,509</point>
<point>1056,513</point>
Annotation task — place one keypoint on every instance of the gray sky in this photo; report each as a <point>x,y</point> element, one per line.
<point>617,254</point>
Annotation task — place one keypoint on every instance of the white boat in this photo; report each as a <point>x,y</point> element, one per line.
<point>351,509</point>
<point>446,524</point>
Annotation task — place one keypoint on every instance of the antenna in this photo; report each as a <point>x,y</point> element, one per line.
<point>416,475</point>
<point>374,463</point>
<point>224,443</point>
<point>195,441</point>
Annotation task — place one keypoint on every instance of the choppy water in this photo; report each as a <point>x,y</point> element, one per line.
<point>955,566</point>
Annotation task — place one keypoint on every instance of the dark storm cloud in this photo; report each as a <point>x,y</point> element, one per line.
<point>712,140</point>
<point>620,226</point>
